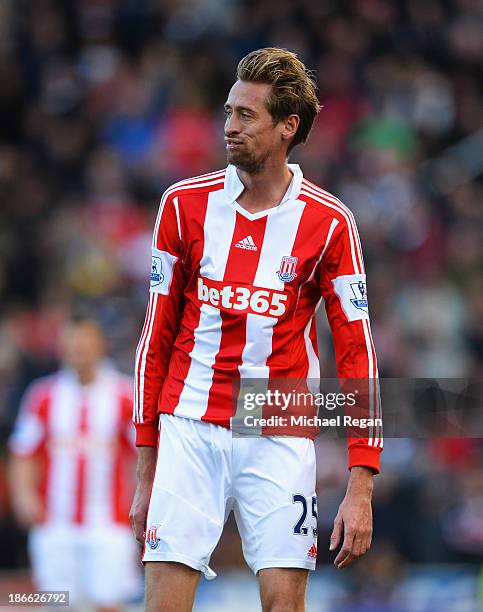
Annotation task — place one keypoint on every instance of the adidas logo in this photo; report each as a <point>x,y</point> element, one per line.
<point>247,243</point>
<point>312,552</point>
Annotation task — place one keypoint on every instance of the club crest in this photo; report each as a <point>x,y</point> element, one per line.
<point>151,536</point>
<point>288,265</point>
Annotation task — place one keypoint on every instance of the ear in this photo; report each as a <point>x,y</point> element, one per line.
<point>290,127</point>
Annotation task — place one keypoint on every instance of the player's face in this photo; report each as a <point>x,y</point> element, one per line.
<point>83,346</point>
<point>251,136</point>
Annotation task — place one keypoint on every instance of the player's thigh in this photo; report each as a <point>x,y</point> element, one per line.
<point>191,484</point>
<point>283,589</point>
<point>113,566</point>
<point>275,502</point>
<point>55,559</point>
<point>170,587</point>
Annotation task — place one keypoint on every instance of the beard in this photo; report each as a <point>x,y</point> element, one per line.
<point>247,161</point>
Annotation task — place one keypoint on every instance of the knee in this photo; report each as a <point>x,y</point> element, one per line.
<point>284,606</point>
<point>281,603</point>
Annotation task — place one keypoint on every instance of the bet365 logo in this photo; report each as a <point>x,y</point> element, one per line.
<point>242,298</point>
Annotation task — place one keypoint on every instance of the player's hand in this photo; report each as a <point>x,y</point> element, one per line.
<point>28,509</point>
<point>353,523</point>
<point>145,469</point>
<point>139,511</point>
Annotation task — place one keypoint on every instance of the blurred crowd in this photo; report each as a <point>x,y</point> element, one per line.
<point>105,103</point>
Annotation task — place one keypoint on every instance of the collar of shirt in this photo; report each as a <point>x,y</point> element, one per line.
<point>233,186</point>
<point>104,372</point>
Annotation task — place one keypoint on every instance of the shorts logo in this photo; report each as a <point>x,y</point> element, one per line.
<point>286,273</point>
<point>157,276</point>
<point>360,295</point>
<point>151,538</point>
<point>312,552</point>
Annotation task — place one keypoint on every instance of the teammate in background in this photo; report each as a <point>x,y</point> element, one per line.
<point>241,260</point>
<point>71,475</point>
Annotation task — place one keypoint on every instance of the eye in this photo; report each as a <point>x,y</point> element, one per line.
<point>227,112</point>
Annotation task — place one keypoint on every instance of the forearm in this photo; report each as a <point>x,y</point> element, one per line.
<point>23,484</point>
<point>152,364</point>
<point>145,469</point>
<point>361,482</point>
<point>359,378</point>
<point>146,465</point>
<point>22,474</point>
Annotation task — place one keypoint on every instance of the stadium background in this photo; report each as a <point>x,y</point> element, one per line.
<point>104,103</point>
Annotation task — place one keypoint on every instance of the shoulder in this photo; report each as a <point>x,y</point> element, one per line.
<point>196,185</point>
<point>343,228</point>
<point>39,391</point>
<point>325,203</point>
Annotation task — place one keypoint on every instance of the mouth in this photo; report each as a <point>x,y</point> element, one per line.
<point>233,144</point>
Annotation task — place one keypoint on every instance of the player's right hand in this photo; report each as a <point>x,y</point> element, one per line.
<point>145,470</point>
<point>139,511</point>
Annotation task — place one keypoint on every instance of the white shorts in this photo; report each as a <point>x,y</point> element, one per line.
<point>99,566</point>
<point>203,472</point>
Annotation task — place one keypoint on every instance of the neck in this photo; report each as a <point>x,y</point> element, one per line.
<point>266,188</point>
<point>86,375</point>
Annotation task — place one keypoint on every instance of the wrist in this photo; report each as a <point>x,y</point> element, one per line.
<point>361,481</point>
<point>146,466</point>
<point>362,471</point>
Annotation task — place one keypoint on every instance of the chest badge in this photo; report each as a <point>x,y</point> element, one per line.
<point>288,265</point>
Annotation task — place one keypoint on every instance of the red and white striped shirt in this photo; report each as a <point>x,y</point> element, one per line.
<point>82,439</point>
<point>234,294</point>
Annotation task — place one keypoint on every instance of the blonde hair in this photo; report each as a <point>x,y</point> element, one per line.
<point>293,87</point>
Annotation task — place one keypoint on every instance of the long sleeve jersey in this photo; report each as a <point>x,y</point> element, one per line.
<point>80,437</point>
<point>233,296</point>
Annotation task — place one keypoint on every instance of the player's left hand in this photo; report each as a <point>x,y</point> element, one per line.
<point>353,522</point>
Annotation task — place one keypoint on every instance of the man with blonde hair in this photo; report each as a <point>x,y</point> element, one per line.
<point>241,260</point>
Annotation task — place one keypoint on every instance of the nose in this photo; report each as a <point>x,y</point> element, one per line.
<point>232,125</point>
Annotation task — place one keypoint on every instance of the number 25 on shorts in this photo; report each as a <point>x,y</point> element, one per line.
<point>299,527</point>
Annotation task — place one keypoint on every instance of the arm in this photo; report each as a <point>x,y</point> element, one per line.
<point>343,286</point>
<point>161,324</point>
<point>23,483</point>
<point>25,443</point>
<point>145,469</point>
<point>154,349</point>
